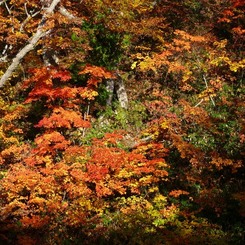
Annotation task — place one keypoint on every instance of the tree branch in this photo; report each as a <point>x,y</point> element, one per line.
<point>70,16</point>
<point>2,2</point>
<point>206,83</point>
<point>66,13</point>
<point>28,17</point>
<point>41,32</point>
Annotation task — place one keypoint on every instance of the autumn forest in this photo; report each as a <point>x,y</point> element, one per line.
<point>122,122</point>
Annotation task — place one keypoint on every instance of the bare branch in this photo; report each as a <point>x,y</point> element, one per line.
<point>7,7</point>
<point>210,96</point>
<point>26,10</point>
<point>199,103</point>
<point>52,6</point>
<point>4,55</point>
<point>69,15</point>
<point>28,17</point>
<point>2,2</point>
<point>205,80</point>
<point>41,32</point>
<point>66,13</point>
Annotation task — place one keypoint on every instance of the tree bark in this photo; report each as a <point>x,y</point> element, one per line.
<point>121,93</point>
<point>110,86</point>
<point>118,86</point>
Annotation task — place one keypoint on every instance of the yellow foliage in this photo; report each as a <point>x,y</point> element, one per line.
<point>164,125</point>
<point>222,44</point>
<point>133,66</point>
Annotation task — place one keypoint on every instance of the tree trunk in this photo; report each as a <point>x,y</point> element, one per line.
<point>117,86</point>
<point>121,93</point>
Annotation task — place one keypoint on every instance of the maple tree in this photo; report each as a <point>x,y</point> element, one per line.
<point>165,167</point>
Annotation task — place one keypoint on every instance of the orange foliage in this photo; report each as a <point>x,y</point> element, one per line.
<point>55,180</point>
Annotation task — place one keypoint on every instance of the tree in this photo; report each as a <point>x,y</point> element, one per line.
<point>169,169</point>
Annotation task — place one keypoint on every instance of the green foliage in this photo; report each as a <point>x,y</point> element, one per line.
<point>103,95</point>
<point>106,45</point>
<point>132,119</point>
<point>169,169</point>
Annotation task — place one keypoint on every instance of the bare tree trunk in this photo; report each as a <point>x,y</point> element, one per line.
<point>121,93</point>
<point>110,86</point>
<point>118,86</point>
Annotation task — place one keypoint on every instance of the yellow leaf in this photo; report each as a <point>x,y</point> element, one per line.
<point>164,125</point>
<point>133,66</point>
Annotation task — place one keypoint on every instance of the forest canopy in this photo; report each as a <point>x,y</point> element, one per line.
<point>122,122</point>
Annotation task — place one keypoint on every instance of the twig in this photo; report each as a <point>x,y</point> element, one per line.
<point>64,196</point>
<point>26,10</point>
<point>29,16</point>
<point>199,103</point>
<point>212,100</point>
<point>206,83</point>
<point>205,80</point>
<point>7,7</point>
